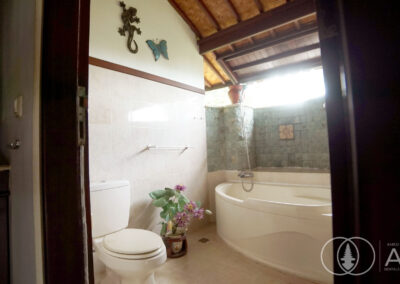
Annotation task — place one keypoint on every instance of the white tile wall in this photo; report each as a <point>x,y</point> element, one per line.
<point>213,179</point>
<point>126,113</point>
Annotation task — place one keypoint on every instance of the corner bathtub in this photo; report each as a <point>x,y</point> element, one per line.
<point>283,226</point>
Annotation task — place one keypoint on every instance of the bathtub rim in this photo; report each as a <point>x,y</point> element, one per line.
<point>281,184</point>
<point>218,190</point>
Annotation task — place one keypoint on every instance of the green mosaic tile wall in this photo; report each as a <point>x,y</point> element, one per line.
<point>226,145</point>
<point>308,149</point>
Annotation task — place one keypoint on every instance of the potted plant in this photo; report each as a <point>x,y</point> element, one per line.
<point>177,212</point>
<point>234,93</point>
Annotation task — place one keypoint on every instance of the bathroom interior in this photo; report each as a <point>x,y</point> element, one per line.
<point>252,149</point>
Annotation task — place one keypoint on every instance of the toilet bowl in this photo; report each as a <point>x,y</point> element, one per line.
<point>132,263</point>
<point>131,254</point>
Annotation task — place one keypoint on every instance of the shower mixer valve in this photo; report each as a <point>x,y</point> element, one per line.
<point>245,174</point>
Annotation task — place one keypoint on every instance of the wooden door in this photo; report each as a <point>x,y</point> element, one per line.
<point>66,207</point>
<point>360,56</point>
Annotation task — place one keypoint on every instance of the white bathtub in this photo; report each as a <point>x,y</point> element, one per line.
<point>284,226</point>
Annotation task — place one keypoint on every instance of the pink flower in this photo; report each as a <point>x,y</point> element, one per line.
<point>182,219</point>
<point>190,207</point>
<point>198,213</point>
<point>180,187</point>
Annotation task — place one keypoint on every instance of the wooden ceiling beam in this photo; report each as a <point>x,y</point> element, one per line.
<point>263,22</point>
<point>234,79</point>
<point>259,5</point>
<point>297,66</point>
<point>209,14</point>
<point>232,7</point>
<point>297,24</point>
<point>208,62</point>
<point>218,86</point>
<point>185,18</point>
<point>276,57</point>
<point>207,83</point>
<point>269,42</point>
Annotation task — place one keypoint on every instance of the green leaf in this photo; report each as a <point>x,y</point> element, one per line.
<point>181,204</point>
<point>157,194</point>
<point>163,229</point>
<point>164,214</point>
<point>169,192</point>
<point>187,200</point>
<point>180,207</point>
<point>198,203</point>
<point>172,212</point>
<point>170,204</point>
<point>160,202</point>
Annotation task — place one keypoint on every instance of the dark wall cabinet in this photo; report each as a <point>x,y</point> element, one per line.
<point>4,229</point>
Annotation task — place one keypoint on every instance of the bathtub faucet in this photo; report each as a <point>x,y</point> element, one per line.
<point>245,174</point>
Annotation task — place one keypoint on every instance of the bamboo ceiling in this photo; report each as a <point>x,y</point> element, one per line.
<point>246,40</point>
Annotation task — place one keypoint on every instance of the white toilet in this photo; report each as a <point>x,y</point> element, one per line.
<point>132,254</point>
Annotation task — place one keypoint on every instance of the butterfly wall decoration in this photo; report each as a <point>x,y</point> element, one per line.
<point>158,48</point>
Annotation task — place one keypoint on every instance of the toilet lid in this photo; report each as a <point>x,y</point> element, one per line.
<point>133,241</point>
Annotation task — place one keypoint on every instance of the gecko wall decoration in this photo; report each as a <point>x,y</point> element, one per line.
<point>129,17</point>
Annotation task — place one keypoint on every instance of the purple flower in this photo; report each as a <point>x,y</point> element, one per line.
<point>182,219</point>
<point>180,187</point>
<point>198,213</point>
<point>190,207</point>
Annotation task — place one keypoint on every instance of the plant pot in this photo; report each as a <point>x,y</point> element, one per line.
<point>176,245</point>
<point>234,93</point>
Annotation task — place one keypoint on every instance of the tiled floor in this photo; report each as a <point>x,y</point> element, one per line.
<point>214,262</point>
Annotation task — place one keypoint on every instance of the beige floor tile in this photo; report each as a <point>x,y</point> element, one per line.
<point>215,262</point>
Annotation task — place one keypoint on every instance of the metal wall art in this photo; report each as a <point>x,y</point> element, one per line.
<point>158,48</point>
<point>129,17</point>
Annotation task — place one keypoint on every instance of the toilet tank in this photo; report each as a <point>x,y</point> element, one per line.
<point>110,204</point>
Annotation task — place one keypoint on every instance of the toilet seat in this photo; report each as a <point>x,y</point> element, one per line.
<point>132,244</point>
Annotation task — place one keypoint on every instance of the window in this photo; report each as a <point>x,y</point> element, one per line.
<point>291,88</point>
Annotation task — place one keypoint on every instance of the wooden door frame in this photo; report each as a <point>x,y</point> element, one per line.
<point>66,208</point>
<point>339,115</point>
<point>360,61</point>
